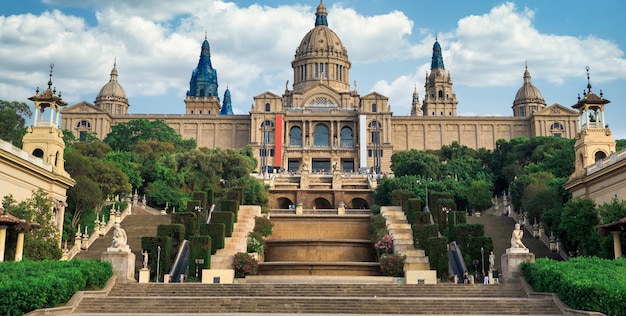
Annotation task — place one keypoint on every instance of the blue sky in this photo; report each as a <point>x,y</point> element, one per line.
<point>156,44</point>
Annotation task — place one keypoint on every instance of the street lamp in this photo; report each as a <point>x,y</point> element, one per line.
<point>482,255</point>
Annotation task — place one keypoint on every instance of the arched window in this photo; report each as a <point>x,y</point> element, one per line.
<point>320,136</point>
<point>38,153</point>
<point>295,136</point>
<point>83,123</point>
<point>346,137</point>
<point>267,107</point>
<point>557,129</point>
<point>599,155</point>
<point>374,127</point>
<point>267,128</point>
<point>374,107</point>
<point>440,94</point>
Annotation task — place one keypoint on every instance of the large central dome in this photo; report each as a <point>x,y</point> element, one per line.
<point>321,56</point>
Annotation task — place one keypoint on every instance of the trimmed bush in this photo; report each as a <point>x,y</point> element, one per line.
<point>200,249</point>
<point>226,218</point>
<point>151,244</point>
<point>421,233</point>
<point>31,285</point>
<point>230,206</point>
<point>437,252</point>
<point>217,233</point>
<point>189,220</point>
<point>585,283</point>
<point>202,197</point>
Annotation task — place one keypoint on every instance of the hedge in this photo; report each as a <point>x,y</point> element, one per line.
<point>190,222</point>
<point>151,244</point>
<point>584,283</point>
<point>200,248</point>
<point>217,233</point>
<point>31,285</point>
<point>231,206</point>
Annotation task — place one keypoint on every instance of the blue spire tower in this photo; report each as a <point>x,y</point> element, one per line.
<point>439,99</point>
<point>202,97</point>
<point>227,107</point>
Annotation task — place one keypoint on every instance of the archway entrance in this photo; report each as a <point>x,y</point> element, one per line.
<point>322,203</point>
<point>284,203</point>
<point>359,203</point>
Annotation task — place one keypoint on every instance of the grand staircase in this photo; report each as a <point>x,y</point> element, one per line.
<point>139,223</point>
<point>363,299</point>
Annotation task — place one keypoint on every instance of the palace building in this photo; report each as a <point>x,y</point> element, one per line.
<point>321,121</point>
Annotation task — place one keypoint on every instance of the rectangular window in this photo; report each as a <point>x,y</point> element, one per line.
<point>375,137</point>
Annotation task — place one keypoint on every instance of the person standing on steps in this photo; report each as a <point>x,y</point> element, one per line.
<point>466,278</point>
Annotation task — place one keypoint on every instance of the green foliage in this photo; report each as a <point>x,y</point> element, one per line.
<point>176,231</point>
<point>129,163</point>
<point>13,117</point>
<point>244,265</point>
<point>27,285</point>
<point>415,163</point>
<point>578,220</point>
<point>392,265</point>
<point>255,243</point>
<point>377,228</point>
<point>383,193</point>
<point>162,258</point>
<point>591,284</point>
<point>202,197</point>
<point>125,135</point>
<point>263,226</point>
<point>226,218</point>
<point>421,233</point>
<point>437,252</point>
<point>200,251</point>
<point>479,195</point>
<point>41,243</point>
<point>230,206</point>
<point>217,233</point>
<point>96,149</point>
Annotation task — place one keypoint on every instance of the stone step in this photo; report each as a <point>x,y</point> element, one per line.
<point>338,305</point>
<point>412,252</point>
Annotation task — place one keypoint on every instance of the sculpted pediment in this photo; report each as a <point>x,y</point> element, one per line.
<point>83,107</point>
<point>374,95</point>
<point>556,109</point>
<point>267,95</point>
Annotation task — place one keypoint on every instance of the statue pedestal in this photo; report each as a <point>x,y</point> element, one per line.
<point>511,262</point>
<point>144,275</point>
<point>123,265</point>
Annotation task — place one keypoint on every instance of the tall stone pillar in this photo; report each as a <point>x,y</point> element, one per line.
<point>3,241</point>
<point>617,244</point>
<point>19,248</point>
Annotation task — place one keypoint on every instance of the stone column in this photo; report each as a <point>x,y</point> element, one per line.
<point>511,262</point>
<point>3,241</point>
<point>19,248</point>
<point>617,245</point>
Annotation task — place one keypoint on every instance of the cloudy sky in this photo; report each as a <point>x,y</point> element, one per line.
<point>157,43</point>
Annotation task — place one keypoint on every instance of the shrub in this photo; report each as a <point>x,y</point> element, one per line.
<point>392,265</point>
<point>244,265</point>
<point>256,243</point>
<point>384,245</point>
<point>263,226</point>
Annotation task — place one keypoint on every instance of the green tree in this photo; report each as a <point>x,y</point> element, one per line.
<point>578,219</point>
<point>13,117</point>
<point>125,135</point>
<point>416,163</point>
<point>129,163</point>
<point>41,243</point>
<point>479,195</point>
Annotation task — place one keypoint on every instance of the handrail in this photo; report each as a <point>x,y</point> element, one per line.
<point>208,217</point>
<point>180,263</point>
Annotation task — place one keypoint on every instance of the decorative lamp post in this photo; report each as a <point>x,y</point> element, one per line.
<point>419,182</point>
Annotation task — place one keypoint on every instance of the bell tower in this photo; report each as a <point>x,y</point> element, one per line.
<point>595,140</point>
<point>44,139</point>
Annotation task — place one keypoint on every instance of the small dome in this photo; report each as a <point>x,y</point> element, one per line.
<point>528,92</point>
<point>321,39</point>
<point>112,89</point>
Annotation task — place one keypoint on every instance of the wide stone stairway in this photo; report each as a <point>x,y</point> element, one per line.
<point>364,299</point>
<point>139,223</point>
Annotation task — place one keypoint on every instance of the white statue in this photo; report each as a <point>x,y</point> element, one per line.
<point>516,238</point>
<point>145,260</point>
<point>492,261</point>
<point>119,239</point>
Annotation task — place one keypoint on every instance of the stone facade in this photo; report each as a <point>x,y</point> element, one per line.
<point>322,122</point>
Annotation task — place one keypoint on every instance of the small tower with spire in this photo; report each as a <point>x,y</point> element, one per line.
<point>227,106</point>
<point>416,109</point>
<point>439,99</point>
<point>594,140</point>
<point>202,97</point>
<point>44,139</point>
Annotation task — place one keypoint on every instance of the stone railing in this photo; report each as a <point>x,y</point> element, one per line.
<point>611,159</point>
<point>82,241</point>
